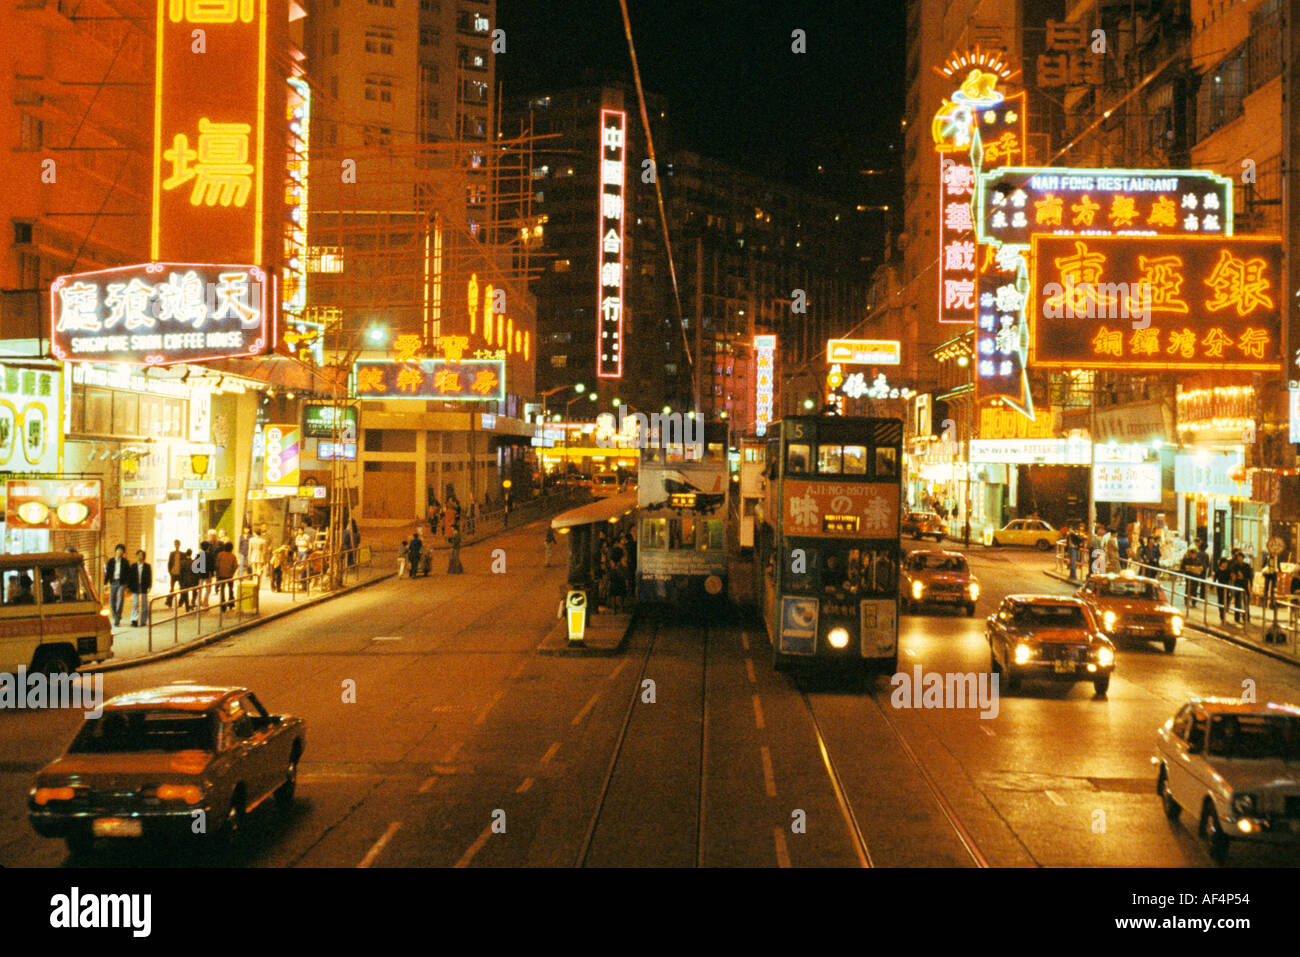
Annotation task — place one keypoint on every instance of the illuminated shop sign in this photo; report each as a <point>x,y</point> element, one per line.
<point>1014,204</point>
<point>1126,302</point>
<point>765,359</point>
<point>209,130</point>
<point>160,313</point>
<point>328,451</point>
<point>30,436</point>
<point>470,380</point>
<point>1126,482</point>
<point>880,352</point>
<point>54,504</point>
<point>282,457</point>
<point>319,422</point>
<point>609,249</point>
<point>1001,422</point>
<point>1221,474</point>
<point>1031,451</point>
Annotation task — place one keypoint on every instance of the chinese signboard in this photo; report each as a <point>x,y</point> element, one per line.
<point>54,504</point>
<point>1015,203</point>
<point>1211,473</point>
<point>470,380</point>
<point>764,359</point>
<point>1135,422</point>
<point>319,422</point>
<point>281,462</point>
<point>841,510</point>
<point>883,352</point>
<point>210,113</point>
<point>295,270</point>
<point>160,313</point>
<point>1126,481</point>
<point>30,433</point>
<point>609,255</point>
<point>1031,451</point>
<point>1128,302</point>
<point>1294,405</point>
<point>327,451</point>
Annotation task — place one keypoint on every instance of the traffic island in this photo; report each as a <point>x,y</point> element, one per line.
<point>604,636</point>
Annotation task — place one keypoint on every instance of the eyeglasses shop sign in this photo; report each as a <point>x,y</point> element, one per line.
<point>1209,474</point>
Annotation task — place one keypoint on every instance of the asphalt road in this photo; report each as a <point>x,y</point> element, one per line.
<point>465,747</point>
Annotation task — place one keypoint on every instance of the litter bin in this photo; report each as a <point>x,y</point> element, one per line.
<point>248,597</point>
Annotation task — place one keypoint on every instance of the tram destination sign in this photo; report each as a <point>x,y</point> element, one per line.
<point>161,313</point>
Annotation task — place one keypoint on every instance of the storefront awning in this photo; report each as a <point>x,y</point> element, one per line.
<point>599,511</point>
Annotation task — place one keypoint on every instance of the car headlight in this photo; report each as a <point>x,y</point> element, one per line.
<point>188,793</point>
<point>1023,654</point>
<point>838,637</point>
<point>1243,804</point>
<point>43,796</point>
<point>1176,623</point>
<point>1105,657</point>
<point>917,589</point>
<point>974,589</point>
<point>1108,620</point>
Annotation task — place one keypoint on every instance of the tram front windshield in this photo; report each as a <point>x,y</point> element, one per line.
<point>839,568</point>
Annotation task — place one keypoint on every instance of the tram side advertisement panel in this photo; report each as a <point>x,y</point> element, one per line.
<point>683,548</point>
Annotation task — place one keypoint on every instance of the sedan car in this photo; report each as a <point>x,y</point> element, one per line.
<point>157,762</point>
<point>938,578</point>
<point>1235,767</point>
<point>1132,606</point>
<point>1049,638</point>
<point>1027,531</point>
<point>923,525</point>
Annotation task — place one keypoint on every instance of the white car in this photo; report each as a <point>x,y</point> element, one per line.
<point>1234,767</point>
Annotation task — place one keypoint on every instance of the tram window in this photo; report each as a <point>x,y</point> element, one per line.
<point>712,535</point>
<point>828,459</point>
<point>753,454</point>
<point>654,533</point>
<point>713,452</point>
<point>681,533</point>
<point>886,463</point>
<point>855,460</point>
<point>650,453</point>
<point>796,458</point>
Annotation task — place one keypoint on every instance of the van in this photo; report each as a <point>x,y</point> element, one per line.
<point>51,619</point>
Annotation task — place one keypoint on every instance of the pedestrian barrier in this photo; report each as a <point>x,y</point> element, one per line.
<point>236,598</point>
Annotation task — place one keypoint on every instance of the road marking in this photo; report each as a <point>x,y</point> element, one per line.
<point>758,713</point>
<point>782,851</point>
<point>475,847</point>
<point>387,638</point>
<point>769,777</point>
<point>520,670</point>
<point>454,750</point>
<point>550,753</point>
<point>528,782</point>
<point>482,715</point>
<point>591,703</point>
<point>749,671</point>
<point>619,670</point>
<point>744,640</point>
<point>1055,798</point>
<point>379,845</point>
<point>911,653</point>
<point>987,730</point>
<point>427,785</point>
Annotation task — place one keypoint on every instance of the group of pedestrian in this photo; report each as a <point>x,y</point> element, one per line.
<point>616,570</point>
<point>125,577</point>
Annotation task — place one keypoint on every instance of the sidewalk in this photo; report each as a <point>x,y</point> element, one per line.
<point>1247,634</point>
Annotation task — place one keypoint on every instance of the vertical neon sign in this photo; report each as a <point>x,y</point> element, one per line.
<point>609,299</point>
<point>764,358</point>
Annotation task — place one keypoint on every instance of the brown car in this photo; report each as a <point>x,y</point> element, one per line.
<point>1131,606</point>
<point>1050,638</point>
<point>155,763</point>
<point>937,578</point>
<point>923,525</point>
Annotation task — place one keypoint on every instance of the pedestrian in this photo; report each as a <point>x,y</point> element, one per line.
<point>257,552</point>
<point>175,562</point>
<point>303,542</point>
<point>413,553</point>
<point>1243,576</point>
<point>617,580</point>
<point>1270,570</point>
<point>401,557</point>
<point>1223,577</point>
<point>1074,546</point>
<point>245,546</point>
<point>345,544</point>
<point>1193,566</point>
<point>550,544</point>
<point>454,566</point>
<point>227,566</point>
<point>279,558</point>
<point>140,583</point>
<point>189,579</point>
<point>207,566</point>
<point>115,577</point>
<point>356,542</point>
<point>1111,544</point>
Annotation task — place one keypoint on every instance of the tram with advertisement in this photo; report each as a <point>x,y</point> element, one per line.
<point>827,547</point>
<point>753,457</point>
<point>682,497</point>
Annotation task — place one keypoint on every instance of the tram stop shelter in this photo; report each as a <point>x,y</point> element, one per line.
<point>582,527</point>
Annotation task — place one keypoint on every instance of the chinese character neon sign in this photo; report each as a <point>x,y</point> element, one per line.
<point>467,380</point>
<point>609,257</point>
<point>764,378</point>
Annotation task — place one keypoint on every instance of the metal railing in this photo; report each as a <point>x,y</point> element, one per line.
<point>200,599</point>
<point>315,571</point>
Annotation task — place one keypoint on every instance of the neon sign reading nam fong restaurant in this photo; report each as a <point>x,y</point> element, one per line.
<point>609,305</point>
<point>160,313</point>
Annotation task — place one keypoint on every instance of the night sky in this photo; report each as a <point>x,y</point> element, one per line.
<point>735,89</point>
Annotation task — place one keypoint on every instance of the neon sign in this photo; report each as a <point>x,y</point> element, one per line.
<point>295,271</point>
<point>884,352</point>
<point>609,245</point>
<point>469,380</point>
<point>764,360</point>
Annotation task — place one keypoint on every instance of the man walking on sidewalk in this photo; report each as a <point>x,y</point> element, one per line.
<point>115,577</point>
<point>139,582</point>
<point>227,566</point>
<point>1193,566</point>
<point>1243,576</point>
<point>175,562</point>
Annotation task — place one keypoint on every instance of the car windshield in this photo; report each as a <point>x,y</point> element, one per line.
<point>1255,736</point>
<point>938,563</point>
<point>122,732</point>
<point>1120,588</point>
<point>1049,616</point>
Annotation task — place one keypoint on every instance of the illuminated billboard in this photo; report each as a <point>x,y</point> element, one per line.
<point>161,313</point>
<point>1133,302</point>
<point>764,360</point>
<point>609,245</point>
<point>880,352</point>
<point>210,111</point>
<point>470,380</point>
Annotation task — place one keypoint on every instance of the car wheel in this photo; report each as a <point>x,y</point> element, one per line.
<point>916,537</point>
<point>284,793</point>
<point>938,538</point>
<point>1172,810</point>
<point>79,843</point>
<point>1101,685</point>
<point>54,661</point>
<point>996,543</point>
<point>1216,841</point>
<point>1170,644</point>
<point>1042,544</point>
<point>970,611</point>
<point>232,827</point>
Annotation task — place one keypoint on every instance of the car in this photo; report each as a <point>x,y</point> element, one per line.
<point>934,577</point>
<point>1235,767</point>
<point>156,761</point>
<point>1132,606</point>
<point>922,525</point>
<point>1027,531</point>
<point>1049,638</point>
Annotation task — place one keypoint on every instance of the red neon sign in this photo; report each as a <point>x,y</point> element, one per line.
<point>609,245</point>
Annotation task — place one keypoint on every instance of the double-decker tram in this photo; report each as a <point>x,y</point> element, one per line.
<point>753,455</point>
<point>682,490</point>
<point>827,541</point>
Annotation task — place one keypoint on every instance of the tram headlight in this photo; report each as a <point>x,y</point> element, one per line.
<point>1023,654</point>
<point>918,590</point>
<point>838,637</point>
<point>974,590</point>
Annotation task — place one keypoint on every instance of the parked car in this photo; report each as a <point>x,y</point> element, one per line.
<point>1027,531</point>
<point>154,758</point>
<point>51,619</point>
<point>1049,638</point>
<point>934,577</point>
<point>1128,605</point>
<point>923,525</point>
<point>1235,767</point>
